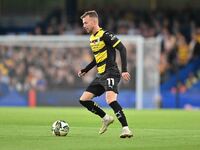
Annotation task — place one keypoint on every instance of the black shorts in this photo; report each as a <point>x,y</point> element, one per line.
<point>106,82</point>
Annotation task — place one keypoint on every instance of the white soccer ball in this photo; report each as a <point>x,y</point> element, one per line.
<point>60,128</point>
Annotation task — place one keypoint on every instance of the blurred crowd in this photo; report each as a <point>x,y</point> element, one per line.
<point>23,68</point>
<point>124,21</point>
<point>27,67</point>
<point>178,29</point>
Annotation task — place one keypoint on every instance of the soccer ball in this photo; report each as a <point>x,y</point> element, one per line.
<point>60,128</point>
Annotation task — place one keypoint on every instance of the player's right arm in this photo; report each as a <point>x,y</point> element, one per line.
<point>82,72</point>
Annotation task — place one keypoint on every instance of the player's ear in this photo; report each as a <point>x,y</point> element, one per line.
<point>95,20</point>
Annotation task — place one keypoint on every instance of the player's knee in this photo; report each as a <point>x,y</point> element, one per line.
<point>111,97</point>
<point>110,101</point>
<point>82,98</point>
<point>86,96</point>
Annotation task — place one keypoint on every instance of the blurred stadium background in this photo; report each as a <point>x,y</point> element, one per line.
<point>43,45</point>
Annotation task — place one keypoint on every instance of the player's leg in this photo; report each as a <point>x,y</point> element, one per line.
<point>111,86</point>
<point>86,101</point>
<point>111,98</point>
<point>95,89</point>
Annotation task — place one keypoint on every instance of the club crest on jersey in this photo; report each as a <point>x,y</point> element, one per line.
<point>96,41</point>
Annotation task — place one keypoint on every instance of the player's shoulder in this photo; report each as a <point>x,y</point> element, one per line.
<point>107,32</point>
<point>109,35</point>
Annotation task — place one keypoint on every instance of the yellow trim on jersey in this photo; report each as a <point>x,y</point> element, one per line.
<point>101,69</point>
<point>101,56</point>
<point>116,43</point>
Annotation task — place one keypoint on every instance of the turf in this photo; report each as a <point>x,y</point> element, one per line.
<point>29,129</point>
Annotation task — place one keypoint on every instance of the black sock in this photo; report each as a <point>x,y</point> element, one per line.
<point>93,107</point>
<point>119,113</point>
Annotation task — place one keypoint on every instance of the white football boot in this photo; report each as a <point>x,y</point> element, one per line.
<point>107,120</point>
<point>126,133</point>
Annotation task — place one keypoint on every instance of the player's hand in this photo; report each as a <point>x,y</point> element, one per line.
<point>81,74</point>
<point>126,76</point>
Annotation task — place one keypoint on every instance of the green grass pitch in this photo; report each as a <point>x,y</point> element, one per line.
<point>30,129</point>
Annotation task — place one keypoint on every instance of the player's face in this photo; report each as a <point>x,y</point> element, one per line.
<point>88,24</point>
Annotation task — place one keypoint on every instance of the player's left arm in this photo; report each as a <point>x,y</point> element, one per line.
<point>114,42</point>
<point>122,51</point>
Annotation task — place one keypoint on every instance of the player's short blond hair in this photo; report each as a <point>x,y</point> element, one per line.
<point>91,13</point>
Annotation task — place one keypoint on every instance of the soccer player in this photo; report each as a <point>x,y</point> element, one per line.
<point>103,45</point>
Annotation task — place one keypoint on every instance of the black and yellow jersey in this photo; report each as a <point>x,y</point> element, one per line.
<point>103,45</point>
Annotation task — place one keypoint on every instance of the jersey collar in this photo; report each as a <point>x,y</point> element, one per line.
<point>97,31</point>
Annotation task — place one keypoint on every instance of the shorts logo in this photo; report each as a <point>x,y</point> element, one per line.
<point>110,82</point>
